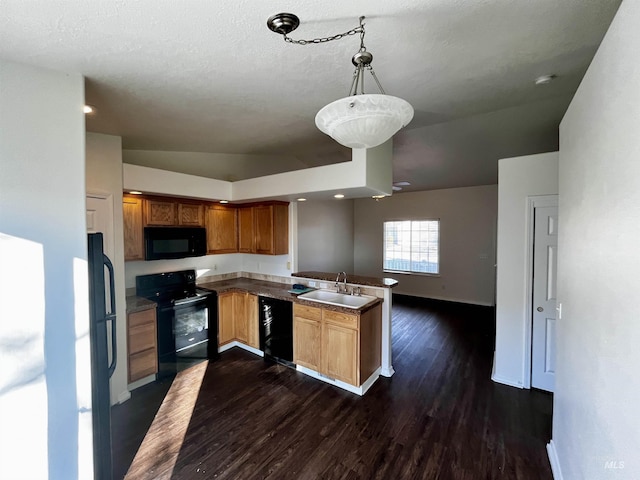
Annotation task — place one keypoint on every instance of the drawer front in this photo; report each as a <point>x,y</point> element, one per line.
<point>342,319</point>
<point>142,337</point>
<point>145,316</point>
<point>143,364</point>
<point>312,313</point>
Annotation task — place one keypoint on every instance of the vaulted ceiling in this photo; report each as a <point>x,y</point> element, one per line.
<point>209,77</point>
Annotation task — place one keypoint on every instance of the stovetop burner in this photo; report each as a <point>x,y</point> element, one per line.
<point>169,287</point>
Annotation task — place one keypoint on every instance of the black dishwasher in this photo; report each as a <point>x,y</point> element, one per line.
<point>276,330</point>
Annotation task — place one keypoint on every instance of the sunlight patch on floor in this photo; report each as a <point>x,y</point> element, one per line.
<point>157,456</point>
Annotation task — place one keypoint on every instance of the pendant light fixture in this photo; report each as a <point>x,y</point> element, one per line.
<point>359,120</point>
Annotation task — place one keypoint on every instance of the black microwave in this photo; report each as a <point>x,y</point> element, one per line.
<point>174,242</point>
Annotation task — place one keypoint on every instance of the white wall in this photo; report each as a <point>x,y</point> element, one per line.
<point>104,176</point>
<point>325,236</point>
<point>596,424</point>
<point>518,179</point>
<point>467,241</point>
<point>45,377</point>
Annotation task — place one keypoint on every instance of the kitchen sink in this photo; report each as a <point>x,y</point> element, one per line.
<point>338,299</point>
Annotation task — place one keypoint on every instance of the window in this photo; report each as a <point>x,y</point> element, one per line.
<point>412,246</point>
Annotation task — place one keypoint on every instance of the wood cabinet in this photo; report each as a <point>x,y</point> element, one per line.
<point>142,344</point>
<point>238,318</point>
<point>342,346</point>
<point>257,228</point>
<point>271,229</point>
<point>246,238</point>
<point>226,329</point>
<point>306,336</point>
<point>191,214</point>
<point>159,212</point>
<point>166,213</point>
<point>222,229</point>
<point>132,227</point>
<point>264,229</point>
<point>246,319</point>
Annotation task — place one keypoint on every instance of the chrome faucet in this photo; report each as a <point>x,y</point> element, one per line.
<point>344,282</point>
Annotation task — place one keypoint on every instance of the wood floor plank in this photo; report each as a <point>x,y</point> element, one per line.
<point>439,417</point>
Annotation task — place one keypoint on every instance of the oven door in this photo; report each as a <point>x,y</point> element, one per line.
<point>191,328</point>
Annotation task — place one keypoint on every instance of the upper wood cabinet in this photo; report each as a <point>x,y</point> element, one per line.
<point>191,214</point>
<point>257,228</point>
<point>159,212</point>
<point>166,212</point>
<point>246,237</point>
<point>222,229</point>
<point>132,227</point>
<point>265,229</point>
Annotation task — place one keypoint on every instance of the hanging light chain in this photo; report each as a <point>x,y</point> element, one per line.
<point>353,31</point>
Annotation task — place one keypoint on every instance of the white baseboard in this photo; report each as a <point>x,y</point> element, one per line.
<point>361,390</point>
<point>506,381</point>
<point>449,299</point>
<point>235,343</point>
<point>126,395</point>
<point>387,372</point>
<point>552,453</point>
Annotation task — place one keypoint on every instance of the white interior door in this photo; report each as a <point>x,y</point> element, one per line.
<point>545,260</point>
<point>100,220</point>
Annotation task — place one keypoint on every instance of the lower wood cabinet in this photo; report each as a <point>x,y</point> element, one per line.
<point>238,318</point>
<point>306,336</point>
<point>142,344</point>
<point>342,346</point>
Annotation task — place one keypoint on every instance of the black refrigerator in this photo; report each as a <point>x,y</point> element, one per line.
<point>102,316</point>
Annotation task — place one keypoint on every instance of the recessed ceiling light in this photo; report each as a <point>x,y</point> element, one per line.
<point>135,192</point>
<point>224,201</point>
<point>544,79</point>
<point>89,109</point>
<point>338,195</point>
<point>396,188</point>
<point>301,199</point>
<point>401,184</point>
<point>378,197</point>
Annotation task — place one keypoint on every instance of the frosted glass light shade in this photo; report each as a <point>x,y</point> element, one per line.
<point>364,121</point>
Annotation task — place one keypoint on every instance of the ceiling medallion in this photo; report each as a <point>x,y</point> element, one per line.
<point>359,120</point>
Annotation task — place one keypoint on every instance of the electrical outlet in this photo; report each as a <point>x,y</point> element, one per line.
<point>323,285</point>
<point>312,284</point>
<point>288,265</point>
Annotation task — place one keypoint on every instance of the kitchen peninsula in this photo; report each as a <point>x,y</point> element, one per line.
<point>344,346</point>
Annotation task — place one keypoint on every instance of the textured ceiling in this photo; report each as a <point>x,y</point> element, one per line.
<point>204,76</point>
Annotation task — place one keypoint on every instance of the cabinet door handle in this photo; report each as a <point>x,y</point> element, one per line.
<point>540,309</point>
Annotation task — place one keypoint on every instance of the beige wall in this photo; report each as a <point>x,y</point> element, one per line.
<point>467,237</point>
<point>596,425</point>
<point>325,236</point>
<point>104,176</point>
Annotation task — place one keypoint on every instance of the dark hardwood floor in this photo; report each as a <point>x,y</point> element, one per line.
<point>439,417</point>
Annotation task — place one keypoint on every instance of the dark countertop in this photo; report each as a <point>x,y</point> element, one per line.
<point>275,290</point>
<point>354,279</point>
<point>138,304</point>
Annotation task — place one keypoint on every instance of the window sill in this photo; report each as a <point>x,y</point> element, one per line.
<point>419,274</point>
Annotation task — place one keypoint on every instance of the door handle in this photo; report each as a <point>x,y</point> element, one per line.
<point>540,309</point>
<point>111,316</point>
